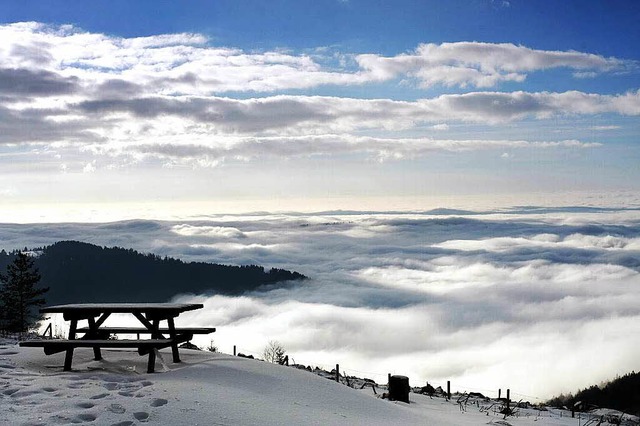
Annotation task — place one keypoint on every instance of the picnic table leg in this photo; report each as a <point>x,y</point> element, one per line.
<point>155,332</point>
<point>172,335</point>
<point>152,361</point>
<point>93,334</point>
<point>72,336</point>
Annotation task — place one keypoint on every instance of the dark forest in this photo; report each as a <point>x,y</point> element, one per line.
<point>78,272</point>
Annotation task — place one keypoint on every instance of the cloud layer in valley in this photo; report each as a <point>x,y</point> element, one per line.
<point>540,300</point>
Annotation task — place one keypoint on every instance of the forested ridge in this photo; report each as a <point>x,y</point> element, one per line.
<point>81,272</point>
<point>622,393</point>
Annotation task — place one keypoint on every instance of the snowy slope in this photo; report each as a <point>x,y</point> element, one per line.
<point>210,389</point>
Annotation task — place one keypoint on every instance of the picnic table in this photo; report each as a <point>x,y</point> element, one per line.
<point>97,336</point>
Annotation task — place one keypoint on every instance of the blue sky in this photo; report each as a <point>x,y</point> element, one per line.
<point>119,101</point>
<point>384,26</point>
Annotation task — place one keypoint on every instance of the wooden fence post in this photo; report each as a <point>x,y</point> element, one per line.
<point>234,350</point>
<point>338,373</point>
<point>448,389</point>
<point>499,393</point>
<point>508,399</point>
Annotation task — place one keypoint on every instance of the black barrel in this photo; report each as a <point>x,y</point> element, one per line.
<point>399,388</point>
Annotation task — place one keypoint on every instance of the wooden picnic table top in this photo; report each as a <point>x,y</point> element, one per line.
<point>122,308</point>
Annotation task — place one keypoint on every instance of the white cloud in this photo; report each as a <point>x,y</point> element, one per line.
<point>213,152</point>
<point>8,191</point>
<point>318,114</point>
<point>604,128</point>
<point>181,127</point>
<point>158,97</point>
<point>441,126</point>
<point>579,241</point>
<point>89,167</point>
<point>481,64</point>
<point>188,64</point>
<point>208,231</point>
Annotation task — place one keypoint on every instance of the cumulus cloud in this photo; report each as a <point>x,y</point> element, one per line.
<point>162,97</point>
<point>26,82</point>
<point>441,126</point>
<point>318,114</point>
<point>89,167</point>
<point>208,231</point>
<point>580,241</point>
<point>188,63</point>
<point>481,64</point>
<point>216,127</point>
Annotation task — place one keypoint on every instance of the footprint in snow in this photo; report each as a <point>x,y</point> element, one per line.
<point>125,423</point>
<point>99,396</point>
<point>141,416</point>
<point>78,385</point>
<point>84,417</point>
<point>116,408</point>
<point>85,405</point>
<point>158,402</point>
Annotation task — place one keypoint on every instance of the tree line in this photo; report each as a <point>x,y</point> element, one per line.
<point>77,272</point>
<point>621,394</point>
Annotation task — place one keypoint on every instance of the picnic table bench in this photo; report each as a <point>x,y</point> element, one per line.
<point>96,336</point>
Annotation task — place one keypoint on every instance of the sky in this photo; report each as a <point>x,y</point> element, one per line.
<point>305,105</point>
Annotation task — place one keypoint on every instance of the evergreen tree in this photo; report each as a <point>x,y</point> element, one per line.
<point>18,293</point>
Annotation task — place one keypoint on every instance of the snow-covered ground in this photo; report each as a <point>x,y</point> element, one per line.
<point>213,389</point>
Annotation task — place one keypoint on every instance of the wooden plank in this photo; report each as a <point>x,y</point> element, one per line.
<point>89,343</point>
<point>69,355</point>
<point>148,346</point>
<point>151,365</point>
<point>142,330</point>
<point>94,331</point>
<point>143,320</point>
<point>90,308</point>
<point>161,344</point>
<point>102,319</point>
<point>172,335</point>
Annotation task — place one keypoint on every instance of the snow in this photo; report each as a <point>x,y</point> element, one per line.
<point>214,389</point>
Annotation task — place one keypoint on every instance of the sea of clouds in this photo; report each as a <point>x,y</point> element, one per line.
<point>538,300</point>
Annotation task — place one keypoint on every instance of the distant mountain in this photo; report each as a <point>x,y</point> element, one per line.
<point>621,394</point>
<point>80,272</point>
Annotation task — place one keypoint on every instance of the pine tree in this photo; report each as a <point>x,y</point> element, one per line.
<point>18,293</point>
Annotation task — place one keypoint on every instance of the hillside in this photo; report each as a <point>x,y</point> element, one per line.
<point>621,394</point>
<point>218,389</point>
<point>81,272</point>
